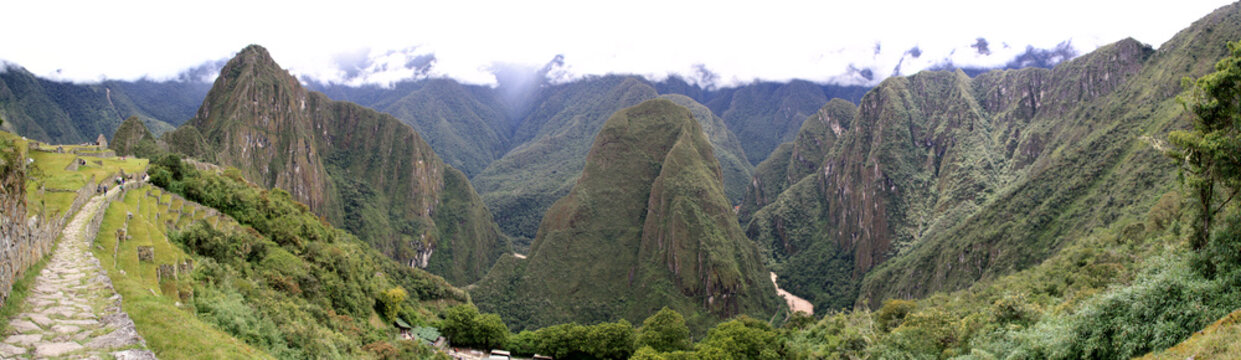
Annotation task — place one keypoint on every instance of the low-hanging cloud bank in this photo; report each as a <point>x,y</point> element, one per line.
<point>713,44</point>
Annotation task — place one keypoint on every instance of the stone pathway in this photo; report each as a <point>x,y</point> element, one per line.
<point>72,311</point>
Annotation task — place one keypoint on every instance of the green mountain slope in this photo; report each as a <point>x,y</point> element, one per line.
<point>733,162</point>
<point>645,226</point>
<point>467,129</point>
<point>792,161</point>
<point>764,115</point>
<point>520,186</point>
<point>932,155</point>
<point>1093,168</point>
<point>360,169</point>
<point>67,113</point>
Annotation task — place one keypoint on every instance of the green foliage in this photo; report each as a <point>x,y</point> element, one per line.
<point>893,313</point>
<point>1207,154</point>
<point>406,203</point>
<point>664,331</point>
<point>464,326</point>
<point>289,283</point>
<point>741,338</point>
<point>574,341</point>
<point>392,300</point>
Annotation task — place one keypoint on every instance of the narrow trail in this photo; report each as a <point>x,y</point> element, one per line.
<point>795,303</point>
<point>72,311</point>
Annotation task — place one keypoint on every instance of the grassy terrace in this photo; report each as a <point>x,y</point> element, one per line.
<point>170,328</point>
<point>59,183</point>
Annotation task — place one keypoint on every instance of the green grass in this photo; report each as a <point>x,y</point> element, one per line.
<point>170,331</point>
<point>55,177</point>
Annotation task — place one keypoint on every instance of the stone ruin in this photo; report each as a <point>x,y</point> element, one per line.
<point>146,253</point>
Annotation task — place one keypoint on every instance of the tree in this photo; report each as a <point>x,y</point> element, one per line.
<point>609,340</point>
<point>664,331</point>
<point>392,299</point>
<point>743,338</point>
<point>1209,155</point>
<point>465,326</point>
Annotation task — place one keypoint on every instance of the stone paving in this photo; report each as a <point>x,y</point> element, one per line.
<point>72,311</point>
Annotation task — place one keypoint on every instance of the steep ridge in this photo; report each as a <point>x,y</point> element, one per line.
<point>792,161</point>
<point>733,162</point>
<point>361,169</point>
<point>929,152</point>
<point>645,226</point>
<point>520,186</point>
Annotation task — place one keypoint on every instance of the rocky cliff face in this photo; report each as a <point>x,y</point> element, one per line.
<point>359,168</point>
<point>646,226</point>
<point>926,153</point>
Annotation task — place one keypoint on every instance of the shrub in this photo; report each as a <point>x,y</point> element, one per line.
<point>664,331</point>
<point>893,313</point>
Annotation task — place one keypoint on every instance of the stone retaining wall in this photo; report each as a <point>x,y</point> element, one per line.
<point>27,238</point>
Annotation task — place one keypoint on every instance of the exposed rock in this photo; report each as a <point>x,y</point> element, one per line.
<point>56,349</point>
<point>7,351</point>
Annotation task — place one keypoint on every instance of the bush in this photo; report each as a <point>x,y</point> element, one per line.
<point>664,331</point>
<point>464,326</point>
<point>893,313</point>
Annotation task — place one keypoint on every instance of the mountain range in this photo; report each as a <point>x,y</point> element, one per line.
<point>610,197</point>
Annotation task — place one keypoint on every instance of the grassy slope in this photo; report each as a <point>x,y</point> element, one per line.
<point>170,330</point>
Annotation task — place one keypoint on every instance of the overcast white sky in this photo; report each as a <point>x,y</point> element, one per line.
<point>741,41</point>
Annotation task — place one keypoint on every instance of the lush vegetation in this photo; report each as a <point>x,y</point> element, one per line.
<point>646,226</point>
<point>363,170</point>
<point>288,282</point>
<point>466,327</point>
<point>161,308</point>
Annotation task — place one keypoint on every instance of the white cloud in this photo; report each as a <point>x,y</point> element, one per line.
<point>742,42</point>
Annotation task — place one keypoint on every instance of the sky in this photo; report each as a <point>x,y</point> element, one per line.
<point>379,42</point>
